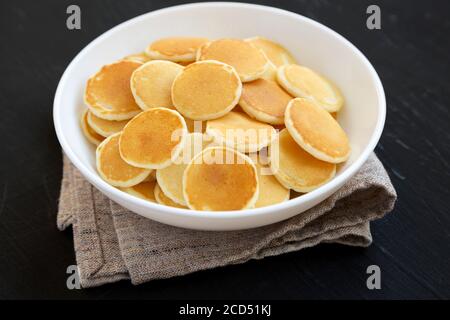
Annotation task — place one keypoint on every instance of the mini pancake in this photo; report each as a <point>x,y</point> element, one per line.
<point>271,191</point>
<point>295,168</point>
<point>104,127</point>
<point>250,62</point>
<point>151,83</point>
<point>108,92</point>
<point>316,131</point>
<point>303,82</point>
<point>90,134</point>
<point>170,179</point>
<point>161,198</point>
<point>113,169</point>
<point>141,57</point>
<point>264,100</point>
<point>152,138</point>
<point>220,179</point>
<point>237,130</point>
<point>276,53</point>
<point>144,190</point>
<point>177,49</point>
<point>206,90</point>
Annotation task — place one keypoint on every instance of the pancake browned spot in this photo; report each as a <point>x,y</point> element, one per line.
<point>206,90</point>
<point>220,179</point>
<point>108,92</point>
<point>153,138</point>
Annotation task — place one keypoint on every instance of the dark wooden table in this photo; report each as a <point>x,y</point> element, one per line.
<point>412,245</point>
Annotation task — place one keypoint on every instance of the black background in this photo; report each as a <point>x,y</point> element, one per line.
<point>411,245</point>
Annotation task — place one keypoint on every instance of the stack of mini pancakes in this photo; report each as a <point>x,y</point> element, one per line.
<point>227,124</point>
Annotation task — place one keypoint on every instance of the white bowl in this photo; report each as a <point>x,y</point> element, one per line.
<point>312,44</point>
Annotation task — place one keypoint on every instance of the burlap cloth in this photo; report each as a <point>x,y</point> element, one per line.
<point>112,243</point>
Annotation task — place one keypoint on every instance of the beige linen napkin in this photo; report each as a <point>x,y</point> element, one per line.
<point>112,243</point>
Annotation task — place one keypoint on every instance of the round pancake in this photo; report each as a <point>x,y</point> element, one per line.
<point>237,130</point>
<point>177,49</point>
<point>104,127</point>
<point>90,134</point>
<point>141,57</point>
<point>144,190</point>
<point>108,92</point>
<point>170,179</point>
<point>161,198</point>
<point>316,131</point>
<point>220,179</point>
<point>206,90</point>
<point>276,53</point>
<point>250,62</point>
<point>151,83</point>
<point>152,138</point>
<point>295,168</point>
<point>113,169</point>
<point>264,100</point>
<point>271,191</point>
<point>303,82</point>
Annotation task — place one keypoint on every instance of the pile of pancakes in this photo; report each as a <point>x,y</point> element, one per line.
<point>224,124</point>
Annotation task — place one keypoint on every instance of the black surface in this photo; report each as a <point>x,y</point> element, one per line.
<point>411,245</point>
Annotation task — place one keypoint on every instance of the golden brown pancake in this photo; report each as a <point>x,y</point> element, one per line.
<point>177,49</point>
<point>206,90</point>
<point>141,57</point>
<point>108,92</point>
<point>271,191</point>
<point>316,131</point>
<point>104,127</point>
<point>303,82</point>
<point>276,53</point>
<point>113,169</point>
<point>295,168</point>
<point>250,62</point>
<point>170,179</point>
<point>90,134</point>
<point>152,138</point>
<point>264,100</point>
<point>151,83</point>
<point>237,130</point>
<point>220,179</point>
<point>144,190</point>
<point>161,198</point>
